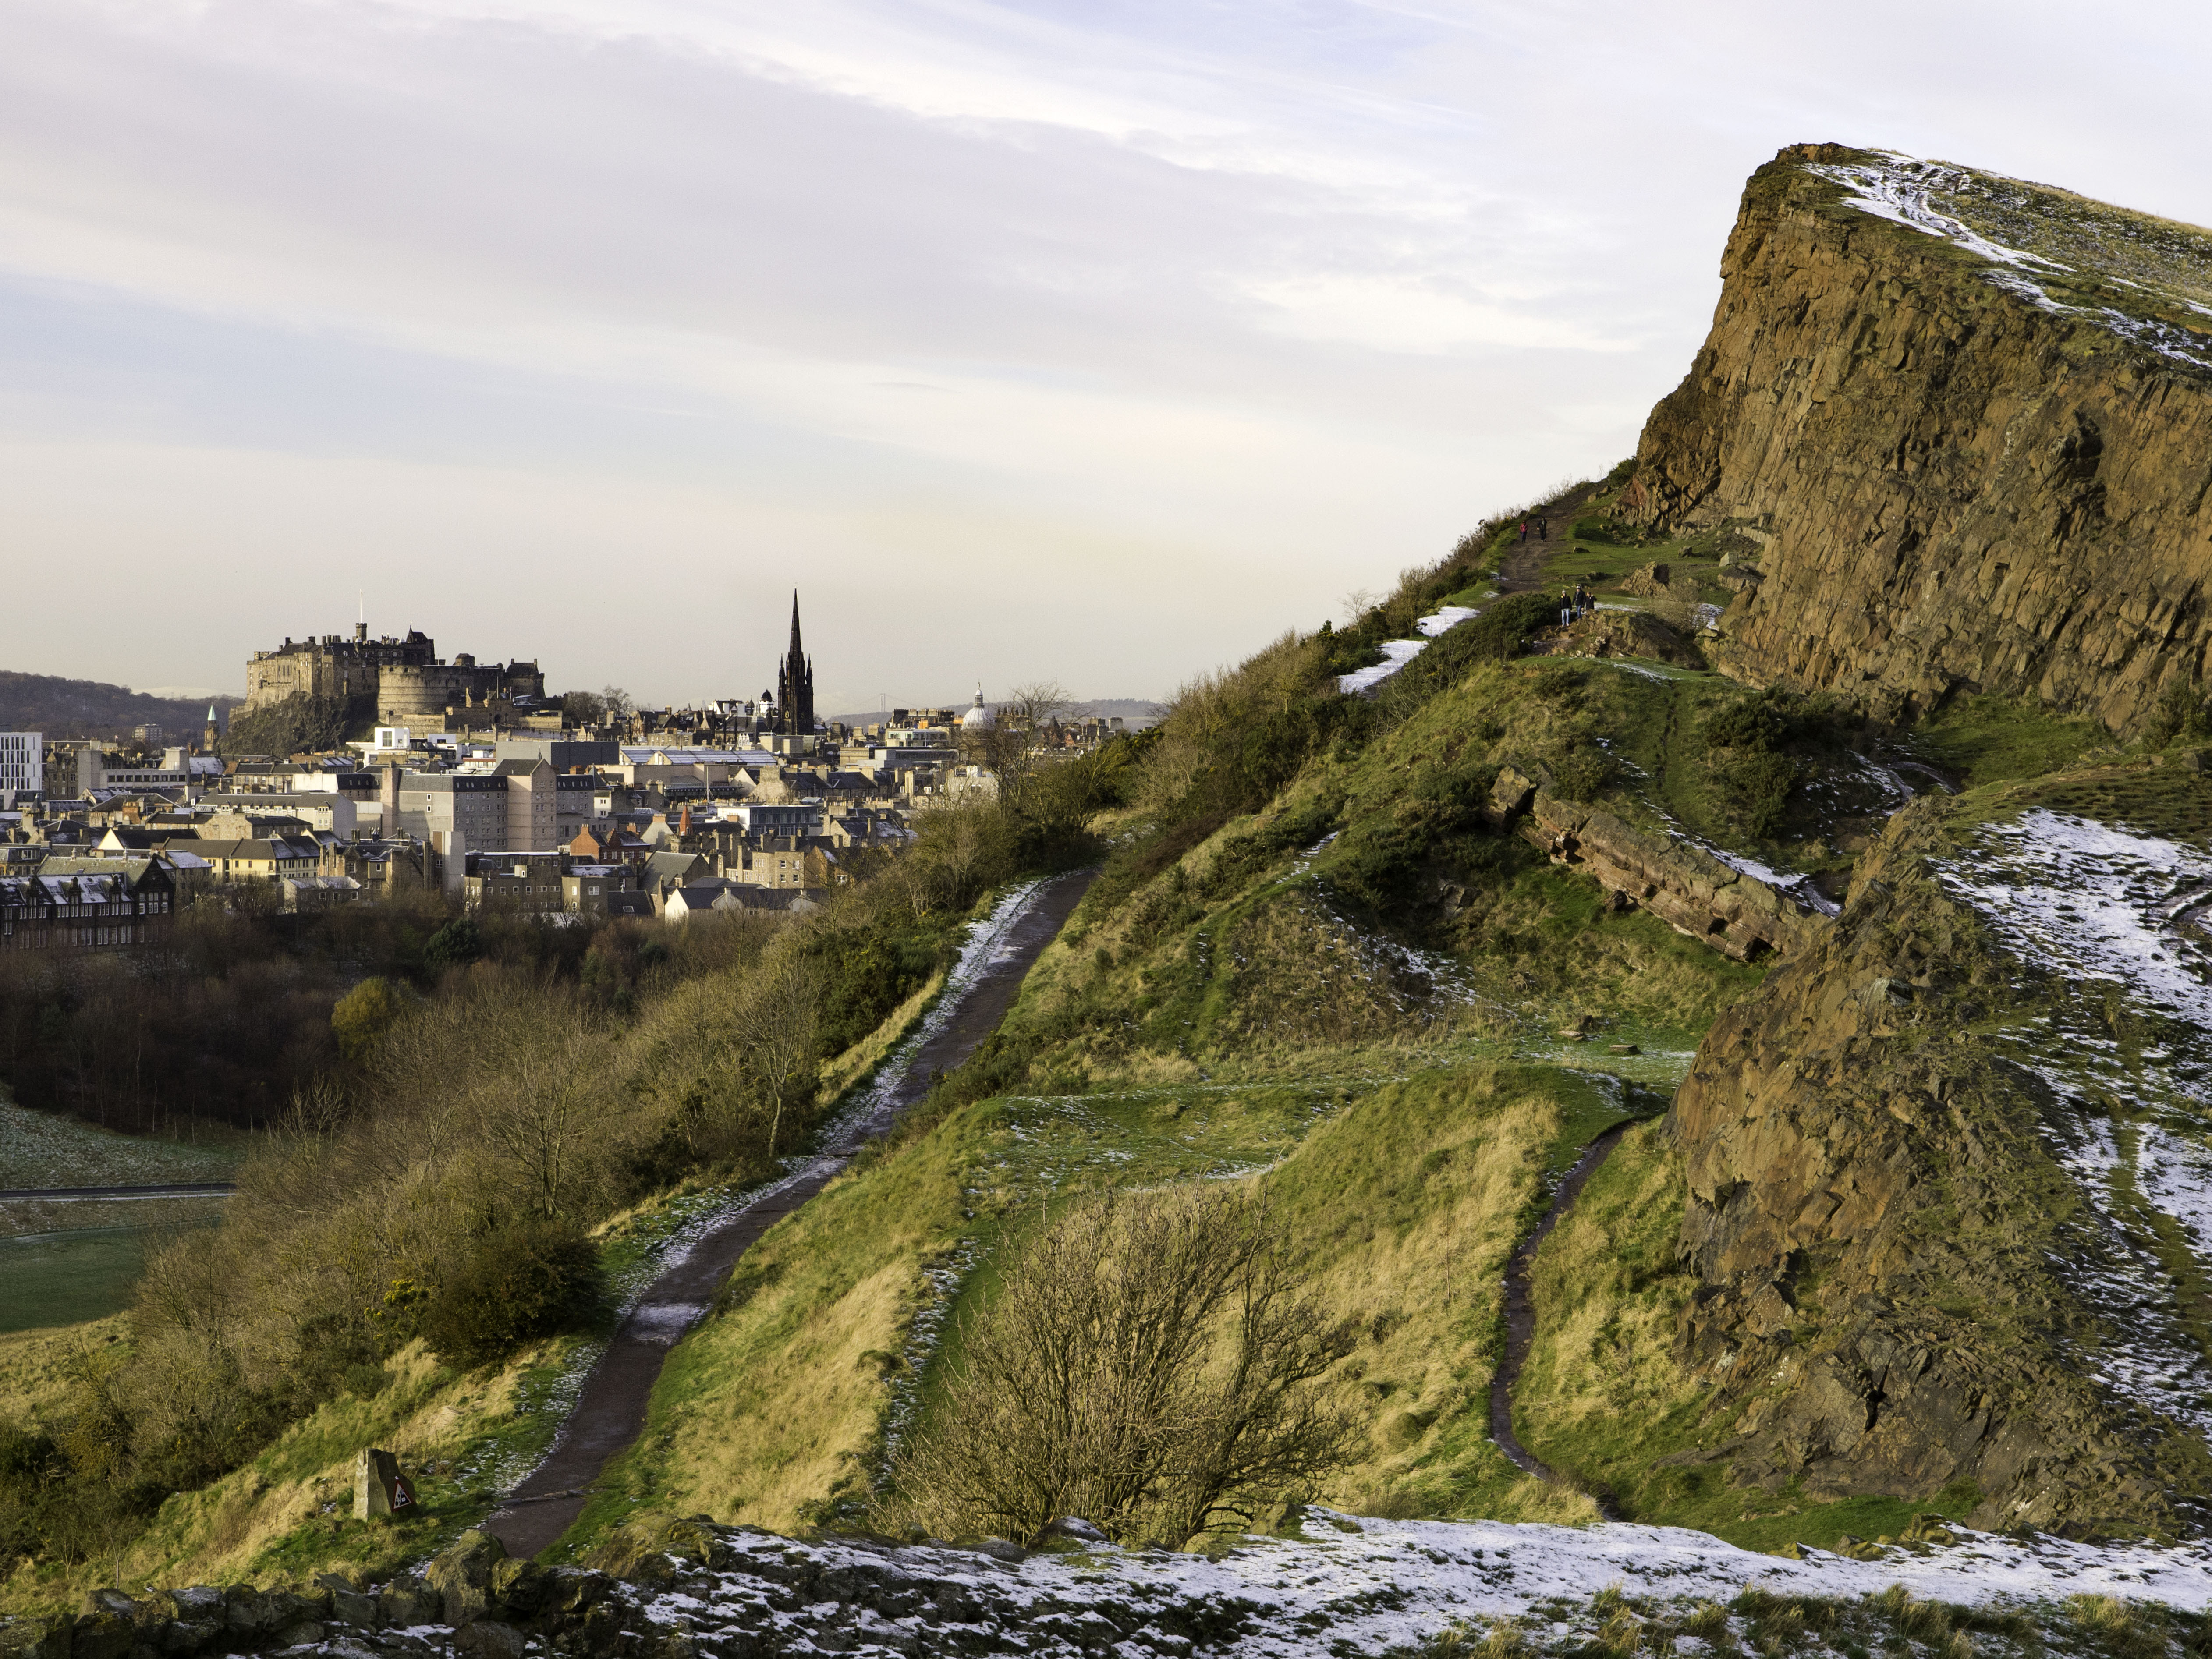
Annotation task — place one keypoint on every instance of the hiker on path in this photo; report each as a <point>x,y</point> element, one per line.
<point>1524,529</point>
<point>1543,530</point>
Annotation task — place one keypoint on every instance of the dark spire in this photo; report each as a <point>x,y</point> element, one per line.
<point>794,684</point>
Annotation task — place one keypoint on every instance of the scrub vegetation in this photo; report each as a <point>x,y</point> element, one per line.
<point>1304,1068</point>
<point>449,1197</point>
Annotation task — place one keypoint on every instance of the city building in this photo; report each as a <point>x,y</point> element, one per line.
<point>86,903</point>
<point>22,765</point>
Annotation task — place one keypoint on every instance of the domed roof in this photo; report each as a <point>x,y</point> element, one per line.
<point>978,717</point>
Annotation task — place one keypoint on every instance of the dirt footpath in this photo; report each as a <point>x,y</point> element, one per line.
<point>611,1412</point>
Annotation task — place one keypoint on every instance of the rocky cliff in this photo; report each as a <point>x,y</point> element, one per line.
<point>1949,1197</point>
<point>1968,423</point>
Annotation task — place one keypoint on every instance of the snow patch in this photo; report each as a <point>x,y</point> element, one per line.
<point>1361,1586</point>
<point>1396,653</point>
<point>1898,188</point>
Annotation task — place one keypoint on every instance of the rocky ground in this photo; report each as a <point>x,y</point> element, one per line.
<point>1350,1586</point>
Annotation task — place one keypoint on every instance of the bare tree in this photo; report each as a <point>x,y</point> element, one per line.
<point>544,1116</point>
<point>779,1027</point>
<point>1147,1364</point>
<point>1012,748</point>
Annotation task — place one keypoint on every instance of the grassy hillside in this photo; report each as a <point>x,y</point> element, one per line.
<point>831,1336</point>
<point>1313,964</point>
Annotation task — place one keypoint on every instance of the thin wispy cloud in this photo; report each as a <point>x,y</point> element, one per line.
<point>1100,341</point>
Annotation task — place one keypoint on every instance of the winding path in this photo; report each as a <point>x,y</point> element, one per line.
<point>610,1413</point>
<point>1520,1313</point>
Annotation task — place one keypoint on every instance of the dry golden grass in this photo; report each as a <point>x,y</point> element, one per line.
<point>841,1072</point>
<point>35,1366</point>
<point>770,1406</point>
<point>1609,1304</point>
<point>1404,1210</point>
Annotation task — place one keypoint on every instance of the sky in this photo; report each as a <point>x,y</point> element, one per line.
<point>1092,343</point>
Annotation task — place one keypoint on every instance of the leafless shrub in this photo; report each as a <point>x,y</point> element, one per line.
<point>1148,1363</point>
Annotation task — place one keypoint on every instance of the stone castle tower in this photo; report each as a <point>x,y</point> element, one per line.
<point>795,685</point>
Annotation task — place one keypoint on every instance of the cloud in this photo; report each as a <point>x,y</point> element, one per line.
<point>1101,340</point>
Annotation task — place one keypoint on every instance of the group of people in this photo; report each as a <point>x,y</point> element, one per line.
<point>1579,603</point>
<point>1543,529</point>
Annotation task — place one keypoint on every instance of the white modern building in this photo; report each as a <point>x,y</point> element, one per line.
<point>22,763</point>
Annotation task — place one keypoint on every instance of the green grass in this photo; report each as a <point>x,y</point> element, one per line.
<point>1987,739</point>
<point>68,1278</point>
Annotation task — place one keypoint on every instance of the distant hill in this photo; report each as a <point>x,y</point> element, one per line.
<point>56,707</point>
<point>1135,712</point>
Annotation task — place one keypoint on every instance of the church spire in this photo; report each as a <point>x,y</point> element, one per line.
<point>794,684</point>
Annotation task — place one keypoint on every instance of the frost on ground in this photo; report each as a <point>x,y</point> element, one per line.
<point>990,944</point>
<point>1972,210</point>
<point>42,1149</point>
<point>1354,1586</point>
<point>1396,653</point>
<point>2106,916</point>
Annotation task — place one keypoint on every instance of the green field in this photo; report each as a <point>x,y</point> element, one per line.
<point>67,1277</point>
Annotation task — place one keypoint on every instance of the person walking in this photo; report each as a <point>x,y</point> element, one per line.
<point>1524,529</point>
<point>1543,530</point>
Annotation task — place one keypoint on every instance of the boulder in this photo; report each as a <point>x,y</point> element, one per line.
<point>1690,890</point>
<point>1649,582</point>
<point>102,1636</point>
<point>487,1639</point>
<point>34,1638</point>
<point>461,1578</point>
<point>1509,796</point>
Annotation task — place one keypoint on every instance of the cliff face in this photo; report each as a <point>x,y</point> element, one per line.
<point>1948,1191</point>
<point>1968,423</point>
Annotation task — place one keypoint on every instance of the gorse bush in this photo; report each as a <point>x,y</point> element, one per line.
<point>525,1279</point>
<point>1148,1363</point>
<point>364,1014</point>
<point>1759,751</point>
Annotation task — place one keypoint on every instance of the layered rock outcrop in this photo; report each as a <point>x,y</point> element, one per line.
<point>1687,888</point>
<point>1906,1287</point>
<point>1971,466</point>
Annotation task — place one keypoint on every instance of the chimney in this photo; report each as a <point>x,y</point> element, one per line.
<point>683,823</point>
<point>388,800</point>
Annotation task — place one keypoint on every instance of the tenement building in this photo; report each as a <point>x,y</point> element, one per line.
<point>404,677</point>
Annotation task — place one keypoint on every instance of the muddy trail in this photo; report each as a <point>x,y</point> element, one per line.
<point>1522,570</point>
<point>1521,1314</point>
<point>609,1412</point>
